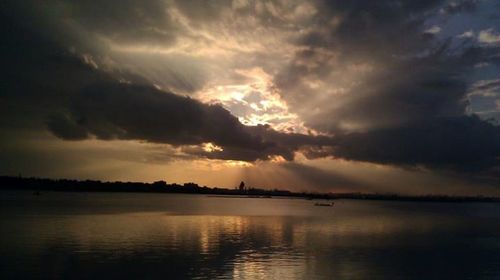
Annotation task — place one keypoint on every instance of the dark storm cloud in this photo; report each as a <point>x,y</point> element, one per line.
<point>388,35</point>
<point>126,111</point>
<point>408,110</point>
<point>33,65</point>
<point>409,93</point>
<point>47,85</point>
<point>368,24</point>
<point>463,143</point>
<point>275,144</point>
<point>409,106</point>
<point>371,32</point>
<point>115,110</point>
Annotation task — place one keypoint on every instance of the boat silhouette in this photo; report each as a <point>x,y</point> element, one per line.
<point>323,204</point>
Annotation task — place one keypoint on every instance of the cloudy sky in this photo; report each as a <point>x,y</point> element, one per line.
<point>359,95</point>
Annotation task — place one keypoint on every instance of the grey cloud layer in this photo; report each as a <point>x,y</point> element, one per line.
<point>55,87</point>
<point>393,93</point>
<point>364,72</point>
<point>386,69</point>
<point>115,110</point>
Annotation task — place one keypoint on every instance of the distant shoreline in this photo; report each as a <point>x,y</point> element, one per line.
<point>65,185</point>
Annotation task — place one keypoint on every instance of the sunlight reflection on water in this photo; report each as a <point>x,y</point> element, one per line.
<point>151,236</point>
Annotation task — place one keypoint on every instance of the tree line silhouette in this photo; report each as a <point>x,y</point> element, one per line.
<point>68,185</point>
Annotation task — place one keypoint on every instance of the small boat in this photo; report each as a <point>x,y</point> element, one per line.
<point>323,204</point>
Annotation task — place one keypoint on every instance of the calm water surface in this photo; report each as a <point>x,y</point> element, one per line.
<point>167,236</point>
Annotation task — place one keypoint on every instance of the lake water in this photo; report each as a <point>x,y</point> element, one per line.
<point>169,236</point>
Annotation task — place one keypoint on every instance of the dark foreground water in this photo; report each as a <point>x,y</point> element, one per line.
<point>153,236</point>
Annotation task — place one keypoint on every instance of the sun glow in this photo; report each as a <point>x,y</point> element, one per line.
<point>255,101</point>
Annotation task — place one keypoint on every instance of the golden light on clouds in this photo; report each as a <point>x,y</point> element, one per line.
<point>325,79</point>
<point>255,101</point>
<point>210,147</point>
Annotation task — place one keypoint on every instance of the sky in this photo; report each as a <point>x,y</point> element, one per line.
<point>323,96</point>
